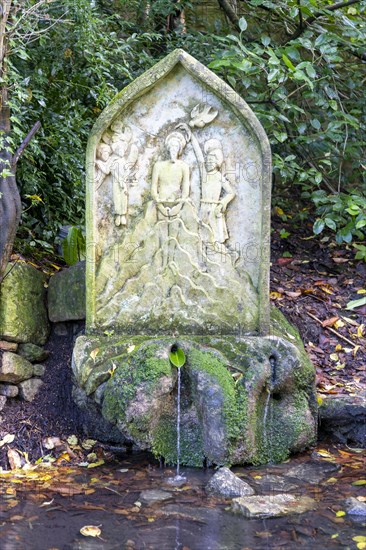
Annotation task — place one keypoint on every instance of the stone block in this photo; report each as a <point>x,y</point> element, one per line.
<point>33,353</point>
<point>29,388</point>
<point>66,294</point>
<point>23,313</point>
<point>14,368</point>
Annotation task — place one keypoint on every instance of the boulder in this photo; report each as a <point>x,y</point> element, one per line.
<point>272,506</point>
<point>33,353</point>
<point>29,388</point>
<point>8,346</point>
<point>343,418</point>
<point>23,313</point>
<point>226,484</point>
<point>14,368</point>
<point>9,390</point>
<point>154,495</point>
<point>66,294</point>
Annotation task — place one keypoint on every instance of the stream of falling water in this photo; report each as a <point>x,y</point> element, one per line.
<point>267,440</point>
<point>178,425</point>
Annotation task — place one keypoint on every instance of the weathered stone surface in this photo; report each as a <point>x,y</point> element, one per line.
<point>138,395</point>
<point>23,314</point>
<point>355,507</point>
<point>9,390</point>
<point>177,238</point>
<point>8,346</point>
<point>344,419</point>
<point>33,353</point>
<point>61,329</point>
<point>313,472</point>
<point>154,495</point>
<point>29,388</point>
<point>225,483</point>
<point>2,402</point>
<point>66,294</point>
<point>39,370</point>
<point>271,506</point>
<point>14,368</point>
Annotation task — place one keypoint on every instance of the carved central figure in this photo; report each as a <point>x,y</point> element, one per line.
<point>170,190</point>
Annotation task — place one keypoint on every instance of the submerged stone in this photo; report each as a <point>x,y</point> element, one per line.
<point>225,483</point>
<point>313,472</point>
<point>272,506</point>
<point>355,507</point>
<point>268,483</point>
<point>154,495</point>
<point>344,419</point>
<point>23,313</point>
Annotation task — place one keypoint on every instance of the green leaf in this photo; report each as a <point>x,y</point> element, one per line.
<point>318,226</point>
<point>177,357</point>
<point>288,62</point>
<point>243,24</point>
<point>356,303</point>
<point>330,223</point>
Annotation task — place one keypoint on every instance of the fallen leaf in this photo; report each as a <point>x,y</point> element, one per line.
<point>359,482</point>
<point>90,531</point>
<point>8,438</point>
<point>14,458</point>
<point>330,322</point>
<point>340,513</point>
<point>88,444</point>
<point>275,296</point>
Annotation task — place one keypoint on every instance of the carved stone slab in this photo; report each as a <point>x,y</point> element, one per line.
<point>178,202</point>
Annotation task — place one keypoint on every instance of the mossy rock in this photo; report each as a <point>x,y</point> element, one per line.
<point>243,400</point>
<point>23,313</point>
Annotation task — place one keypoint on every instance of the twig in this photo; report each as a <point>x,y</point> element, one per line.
<point>18,153</point>
<point>332,330</point>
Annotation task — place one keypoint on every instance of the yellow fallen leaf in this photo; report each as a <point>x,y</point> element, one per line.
<point>361,545</point>
<point>362,291</point>
<point>257,477</point>
<point>340,513</point>
<point>359,482</point>
<point>332,480</point>
<point>335,536</point>
<point>275,296</point>
<point>338,347</point>
<point>333,357</point>
<point>319,400</point>
<point>91,531</point>
<point>95,464</point>
<point>360,330</point>
<point>339,324</point>
<point>323,453</point>
<point>150,520</point>
<point>359,538</point>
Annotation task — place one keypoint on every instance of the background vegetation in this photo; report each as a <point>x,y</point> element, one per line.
<point>300,64</point>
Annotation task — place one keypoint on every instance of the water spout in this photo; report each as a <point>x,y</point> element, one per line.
<point>178,424</point>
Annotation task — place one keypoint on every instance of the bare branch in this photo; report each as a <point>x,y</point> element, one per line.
<point>310,20</point>
<point>230,13</point>
<point>18,153</point>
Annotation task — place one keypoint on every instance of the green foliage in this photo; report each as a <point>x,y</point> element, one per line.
<point>74,246</point>
<point>299,65</point>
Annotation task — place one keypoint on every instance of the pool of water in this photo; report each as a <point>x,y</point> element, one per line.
<point>45,508</point>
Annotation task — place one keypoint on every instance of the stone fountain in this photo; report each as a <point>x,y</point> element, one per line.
<point>178,234</point>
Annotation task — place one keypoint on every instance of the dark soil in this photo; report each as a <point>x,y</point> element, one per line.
<point>317,281</point>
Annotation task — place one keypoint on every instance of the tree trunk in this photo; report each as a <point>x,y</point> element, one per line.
<point>10,203</point>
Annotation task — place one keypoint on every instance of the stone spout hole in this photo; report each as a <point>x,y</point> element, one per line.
<point>273,363</point>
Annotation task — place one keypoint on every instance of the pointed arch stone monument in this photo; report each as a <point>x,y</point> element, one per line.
<point>178,222</point>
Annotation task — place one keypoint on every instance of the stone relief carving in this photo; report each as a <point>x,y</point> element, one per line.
<point>117,156</point>
<point>177,266</point>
